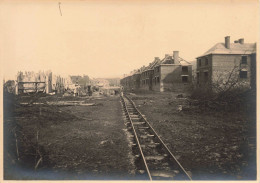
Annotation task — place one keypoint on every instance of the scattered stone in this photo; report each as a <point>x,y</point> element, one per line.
<point>179,108</point>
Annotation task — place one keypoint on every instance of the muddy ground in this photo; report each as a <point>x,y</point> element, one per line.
<point>213,145</point>
<point>56,142</point>
<point>74,141</point>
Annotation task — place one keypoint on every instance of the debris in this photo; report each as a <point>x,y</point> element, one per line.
<point>103,142</point>
<point>179,109</point>
<point>88,104</point>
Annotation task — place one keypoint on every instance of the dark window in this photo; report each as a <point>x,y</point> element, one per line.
<point>206,61</point>
<point>184,79</point>
<point>198,78</point>
<point>244,59</point>
<point>199,62</point>
<point>243,74</point>
<point>158,79</point>
<point>184,68</point>
<point>206,76</point>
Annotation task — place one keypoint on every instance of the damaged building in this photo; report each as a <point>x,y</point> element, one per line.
<point>227,63</point>
<point>31,82</point>
<point>172,73</point>
<point>39,82</point>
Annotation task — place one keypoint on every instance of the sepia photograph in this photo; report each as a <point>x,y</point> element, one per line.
<point>120,90</point>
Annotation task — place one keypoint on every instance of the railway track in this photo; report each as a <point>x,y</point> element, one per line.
<point>153,159</point>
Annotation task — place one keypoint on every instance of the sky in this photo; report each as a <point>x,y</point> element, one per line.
<point>112,38</point>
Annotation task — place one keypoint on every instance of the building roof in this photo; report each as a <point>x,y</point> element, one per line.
<point>235,48</point>
<point>184,62</point>
<point>154,63</point>
<point>170,60</point>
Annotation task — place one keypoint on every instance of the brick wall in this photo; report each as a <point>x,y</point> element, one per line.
<point>171,78</point>
<point>224,64</point>
<point>204,65</point>
<point>219,68</point>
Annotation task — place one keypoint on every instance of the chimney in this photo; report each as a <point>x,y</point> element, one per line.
<point>176,57</point>
<point>227,42</point>
<point>241,41</point>
<point>156,58</point>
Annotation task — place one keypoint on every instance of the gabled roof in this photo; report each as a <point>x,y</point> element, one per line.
<point>170,60</point>
<point>184,62</point>
<point>136,72</point>
<point>167,60</point>
<point>146,68</point>
<point>154,63</point>
<point>151,65</point>
<point>158,63</point>
<point>235,48</point>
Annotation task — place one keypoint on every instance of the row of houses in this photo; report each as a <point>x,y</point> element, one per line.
<point>170,73</point>
<point>223,64</point>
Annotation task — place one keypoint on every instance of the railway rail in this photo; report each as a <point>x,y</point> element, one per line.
<point>153,159</point>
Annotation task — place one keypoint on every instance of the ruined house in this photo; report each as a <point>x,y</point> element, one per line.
<point>127,82</point>
<point>58,84</point>
<point>227,64</point>
<point>30,82</point>
<point>147,75</point>
<point>43,82</point>
<point>172,73</point>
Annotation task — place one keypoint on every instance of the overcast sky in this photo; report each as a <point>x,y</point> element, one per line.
<point>108,39</point>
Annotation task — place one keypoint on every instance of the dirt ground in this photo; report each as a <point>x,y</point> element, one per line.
<point>74,142</point>
<point>213,145</point>
<point>57,142</point>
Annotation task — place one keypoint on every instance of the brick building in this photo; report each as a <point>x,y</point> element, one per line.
<point>146,76</point>
<point>172,73</point>
<point>226,63</point>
